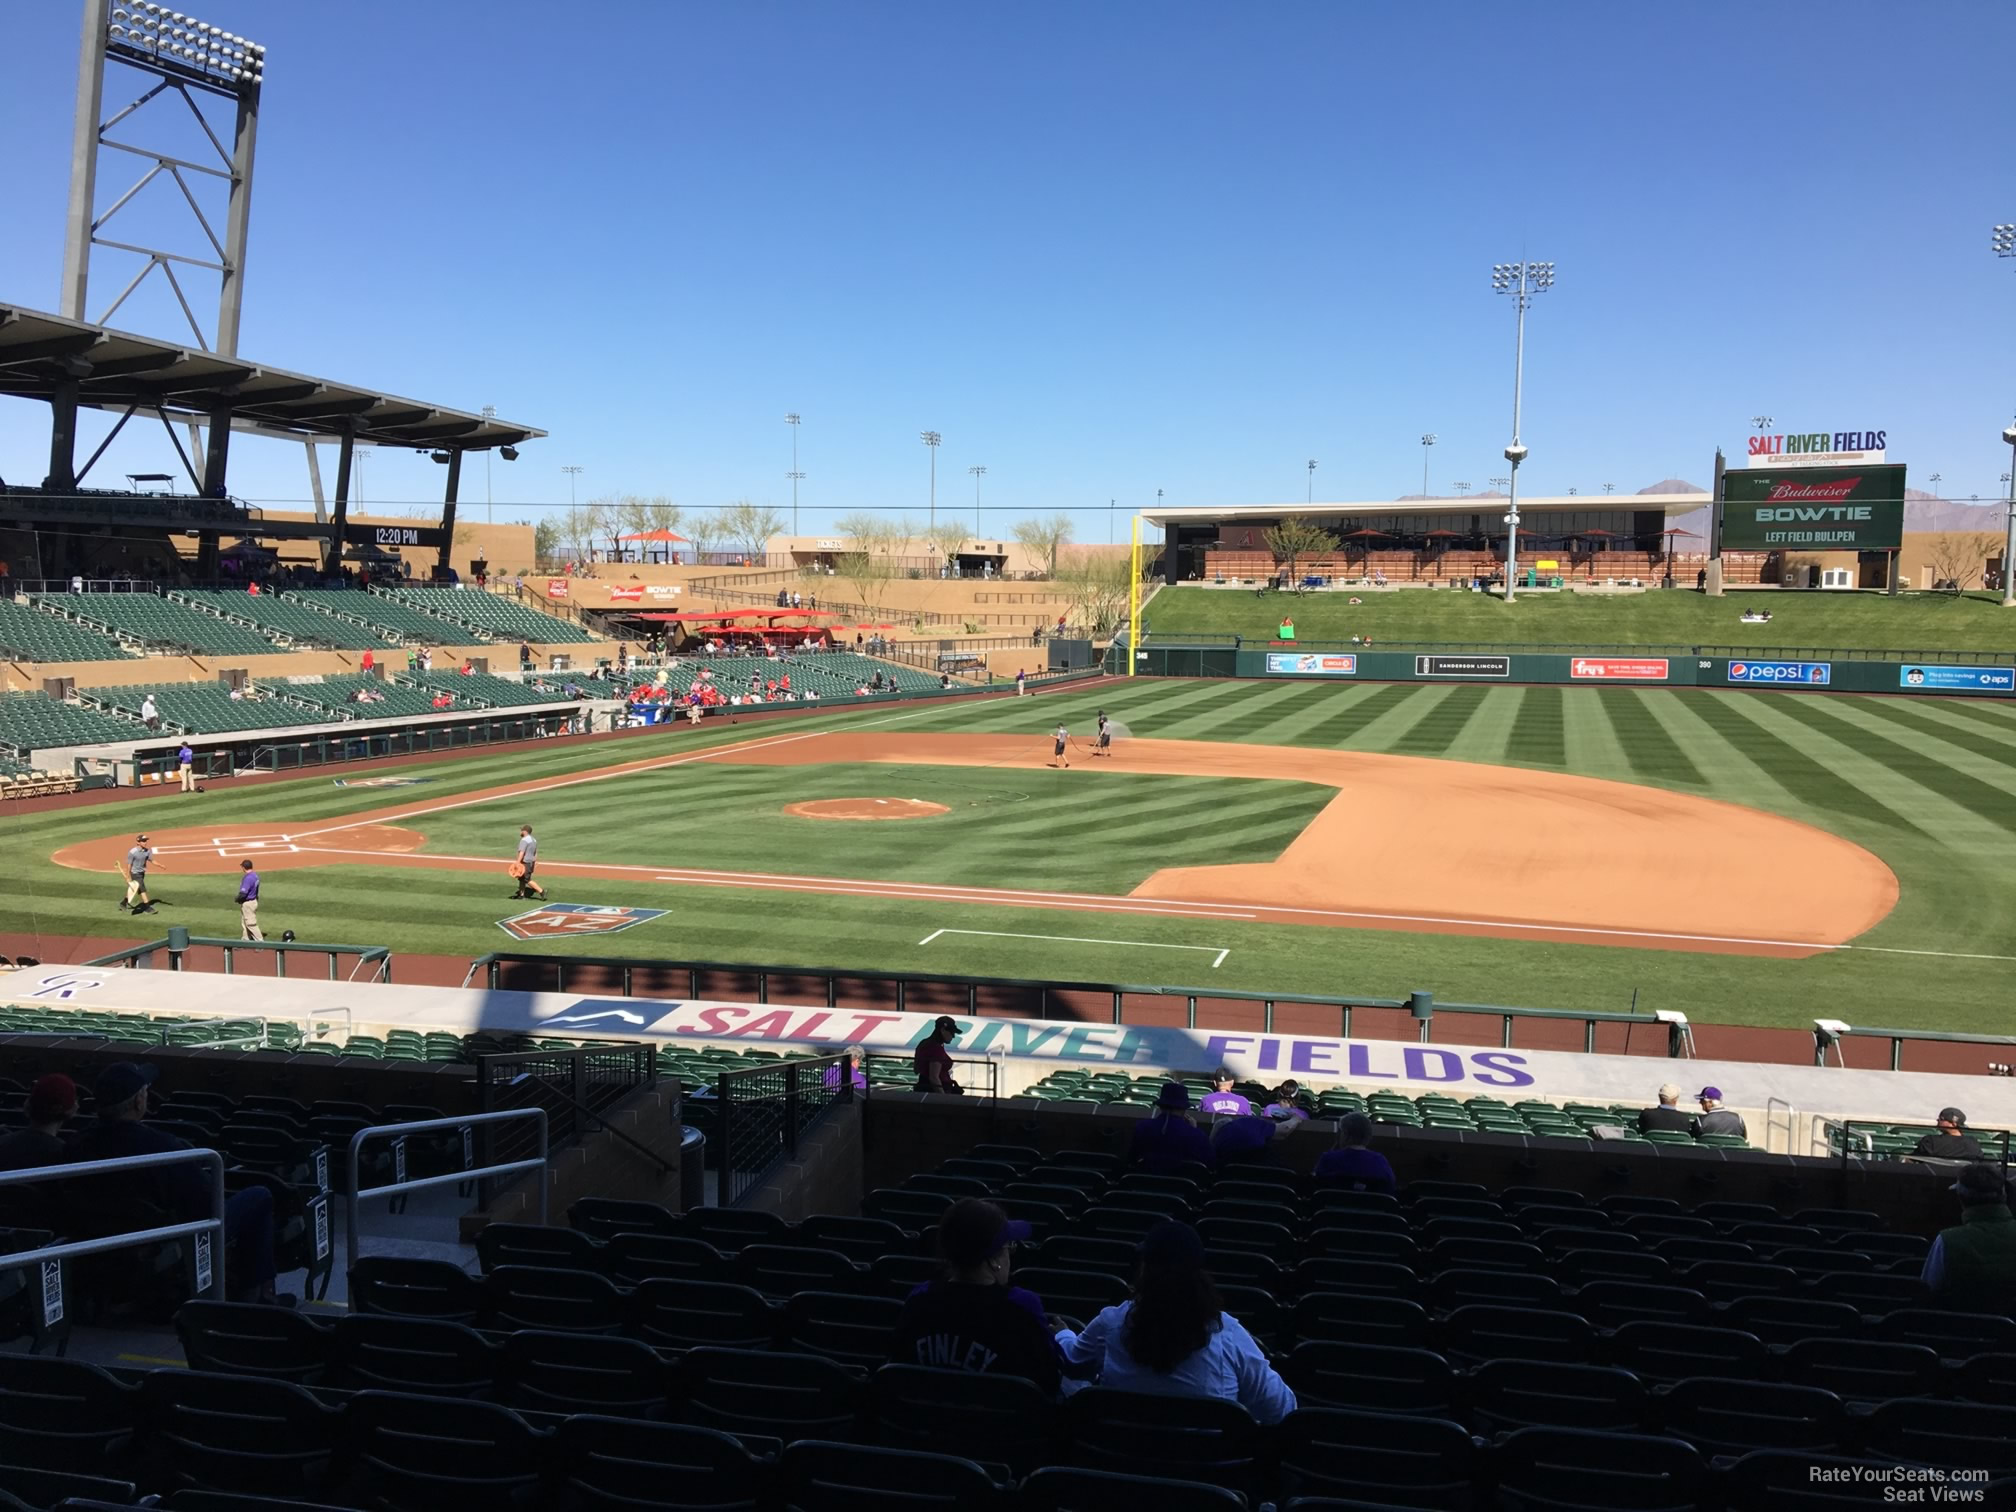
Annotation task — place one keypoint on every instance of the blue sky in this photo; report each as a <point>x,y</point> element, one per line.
<point>1102,248</point>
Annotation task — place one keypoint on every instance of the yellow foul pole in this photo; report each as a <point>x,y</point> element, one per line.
<point>1134,600</point>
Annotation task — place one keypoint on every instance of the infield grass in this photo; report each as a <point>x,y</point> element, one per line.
<point>1927,785</point>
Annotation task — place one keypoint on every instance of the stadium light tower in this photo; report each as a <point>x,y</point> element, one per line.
<point>2002,240</point>
<point>1462,490</point>
<point>1524,281</point>
<point>1609,488</point>
<point>931,440</point>
<point>1762,422</point>
<point>978,473</point>
<point>489,504</point>
<point>1312,480</point>
<point>796,476</point>
<point>186,57</point>
<point>572,472</point>
<point>1426,442</point>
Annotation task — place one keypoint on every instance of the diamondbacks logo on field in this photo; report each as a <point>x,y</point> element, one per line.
<point>561,920</point>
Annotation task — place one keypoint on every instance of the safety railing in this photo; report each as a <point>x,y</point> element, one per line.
<point>179,942</point>
<point>761,1113</point>
<point>1009,997</point>
<point>354,1194</point>
<point>206,1234</point>
<point>358,743</point>
<point>577,1088</point>
<point>1871,1139</point>
<point>1829,1033</point>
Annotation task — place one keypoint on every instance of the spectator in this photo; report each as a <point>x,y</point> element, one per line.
<point>1352,1164</point>
<point>1248,1140</point>
<point>859,1064</point>
<point>369,663</point>
<point>52,1102</point>
<point>974,1319</point>
<point>933,1063</point>
<point>149,715</point>
<point>1167,1138</point>
<point>1972,1268</point>
<point>1173,1337</point>
<point>1716,1119</point>
<point>1952,1141</point>
<point>1668,1115</point>
<point>1285,1101</point>
<point>525,656</point>
<point>1221,1101</point>
<point>181,1191</point>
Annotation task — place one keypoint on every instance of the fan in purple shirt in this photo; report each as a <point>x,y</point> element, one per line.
<point>1221,1101</point>
<point>1168,1139</point>
<point>1352,1165</point>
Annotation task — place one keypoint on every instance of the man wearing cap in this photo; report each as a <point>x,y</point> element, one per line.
<point>1166,1138</point>
<point>1952,1141</point>
<point>1221,1101</point>
<point>52,1102</point>
<point>933,1062</point>
<point>181,1191</point>
<point>975,1319</point>
<point>1668,1115</point>
<point>138,858</point>
<point>1716,1119</point>
<point>1972,1268</point>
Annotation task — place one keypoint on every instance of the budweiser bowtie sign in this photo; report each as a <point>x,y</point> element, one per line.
<point>1814,509</point>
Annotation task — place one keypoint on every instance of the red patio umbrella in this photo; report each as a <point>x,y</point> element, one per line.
<point>1365,534</point>
<point>665,536</point>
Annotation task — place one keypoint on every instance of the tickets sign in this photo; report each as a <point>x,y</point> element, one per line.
<point>1616,669</point>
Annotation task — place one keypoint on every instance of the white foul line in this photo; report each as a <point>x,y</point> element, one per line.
<point>1009,934</point>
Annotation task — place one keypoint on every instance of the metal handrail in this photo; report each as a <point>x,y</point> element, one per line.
<point>210,1229</point>
<point>1828,1034</point>
<point>141,957</point>
<point>354,1194</point>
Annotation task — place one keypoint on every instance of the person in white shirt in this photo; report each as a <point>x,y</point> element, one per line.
<point>1174,1338</point>
<point>149,715</point>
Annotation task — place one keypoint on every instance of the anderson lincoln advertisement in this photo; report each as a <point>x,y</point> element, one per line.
<point>1814,508</point>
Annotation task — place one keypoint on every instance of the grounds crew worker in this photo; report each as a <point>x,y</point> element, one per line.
<point>248,901</point>
<point>528,861</point>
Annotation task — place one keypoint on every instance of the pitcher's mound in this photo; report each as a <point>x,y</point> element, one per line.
<point>867,808</point>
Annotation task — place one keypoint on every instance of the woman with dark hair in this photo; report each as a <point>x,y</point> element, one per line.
<point>1174,1337</point>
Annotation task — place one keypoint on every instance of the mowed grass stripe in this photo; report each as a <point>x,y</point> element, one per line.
<point>1653,753</point>
<point>1792,767</point>
<point>1352,719</point>
<point>1539,730</point>
<point>1249,716</point>
<point>1440,727</point>
<point>1912,763</point>
<point>1922,722</point>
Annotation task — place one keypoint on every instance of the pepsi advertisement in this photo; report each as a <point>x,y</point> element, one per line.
<point>1808,674</point>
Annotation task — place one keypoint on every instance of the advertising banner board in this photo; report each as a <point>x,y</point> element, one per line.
<point>1814,508</point>
<point>1816,673</point>
<point>1974,679</point>
<point>1619,669</point>
<point>1462,666</point>
<point>1310,665</point>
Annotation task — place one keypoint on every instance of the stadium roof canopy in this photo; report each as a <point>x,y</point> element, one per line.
<point>1486,504</point>
<point>115,370</point>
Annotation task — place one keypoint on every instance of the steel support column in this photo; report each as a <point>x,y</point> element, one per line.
<point>62,476</point>
<point>217,455</point>
<point>448,511</point>
<point>332,564</point>
<point>237,224</point>
<point>84,160</point>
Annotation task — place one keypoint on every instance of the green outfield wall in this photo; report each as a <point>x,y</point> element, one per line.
<point>1813,672</point>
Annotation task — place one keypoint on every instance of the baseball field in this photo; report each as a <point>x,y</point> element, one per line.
<point>1756,858</point>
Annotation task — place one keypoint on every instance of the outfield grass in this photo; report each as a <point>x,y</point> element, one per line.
<point>1928,785</point>
<point>1845,621</point>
